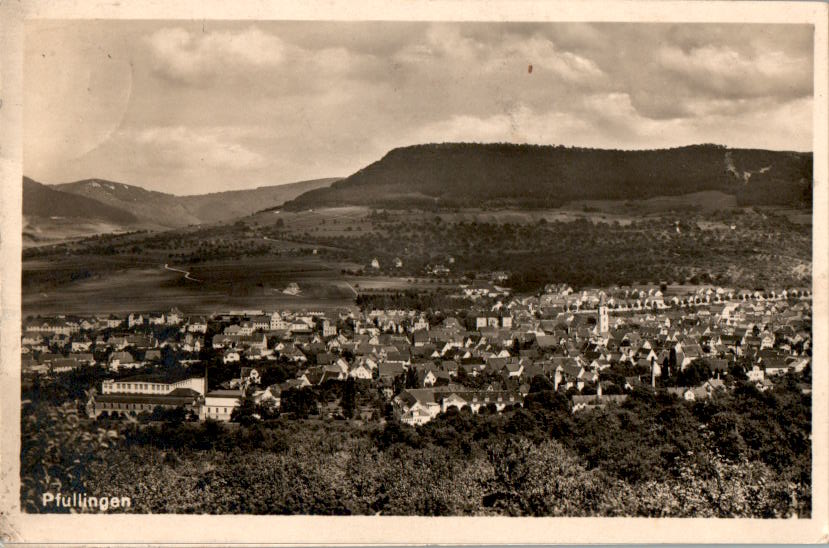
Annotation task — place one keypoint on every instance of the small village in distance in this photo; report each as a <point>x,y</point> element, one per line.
<point>594,346</point>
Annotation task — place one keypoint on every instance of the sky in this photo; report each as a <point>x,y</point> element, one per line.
<point>194,107</point>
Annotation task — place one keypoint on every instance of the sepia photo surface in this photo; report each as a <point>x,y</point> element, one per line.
<point>393,267</point>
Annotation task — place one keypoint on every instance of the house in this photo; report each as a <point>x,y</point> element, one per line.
<point>388,371</point>
<point>152,355</point>
<point>250,375</point>
<point>429,377</point>
<point>420,405</point>
<point>118,360</point>
<point>141,341</point>
<point>219,404</point>
<point>757,374</point>
<point>329,329</point>
<point>775,366</point>
<point>272,393</point>
<point>56,326</point>
<point>63,365</point>
<point>192,344</point>
<point>260,322</point>
<point>514,370</point>
<point>690,394</point>
<point>332,372</point>
<point>85,358</point>
<point>112,322</point>
<point>197,325</point>
<point>231,356</point>
<point>416,416</point>
<point>82,345</point>
<point>360,371</point>
<point>452,400</point>
<point>157,319</point>
<point>117,342</point>
<point>174,316</point>
<point>420,338</point>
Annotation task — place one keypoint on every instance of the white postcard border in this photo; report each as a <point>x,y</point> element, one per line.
<point>143,529</point>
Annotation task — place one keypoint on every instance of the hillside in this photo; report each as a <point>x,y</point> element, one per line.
<point>157,208</point>
<point>169,211</point>
<point>40,200</point>
<point>532,176</point>
<point>222,206</point>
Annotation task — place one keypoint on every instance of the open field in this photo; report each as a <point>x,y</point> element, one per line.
<point>48,230</point>
<point>133,287</point>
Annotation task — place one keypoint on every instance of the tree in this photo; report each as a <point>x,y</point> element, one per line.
<point>411,378</point>
<point>300,402</point>
<point>245,414</point>
<point>695,374</point>
<point>348,402</point>
<point>540,383</point>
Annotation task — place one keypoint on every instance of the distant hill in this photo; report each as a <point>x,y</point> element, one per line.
<point>54,213</point>
<point>222,206</point>
<point>41,200</point>
<point>166,210</point>
<point>532,176</point>
<point>156,208</point>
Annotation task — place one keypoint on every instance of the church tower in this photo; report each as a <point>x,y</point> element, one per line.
<point>604,323</point>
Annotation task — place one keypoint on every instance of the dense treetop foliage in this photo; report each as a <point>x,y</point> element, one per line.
<point>744,453</point>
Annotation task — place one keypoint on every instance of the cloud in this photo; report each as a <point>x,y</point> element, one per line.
<point>459,50</point>
<point>519,125</point>
<point>609,120</point>
<point>178,146</point>
<point>543,55</point>
<point>724,71</point>
<point>243,104</point>
<point>186,56</point>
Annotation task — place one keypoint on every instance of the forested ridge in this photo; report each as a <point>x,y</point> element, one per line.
<point>535,176</point>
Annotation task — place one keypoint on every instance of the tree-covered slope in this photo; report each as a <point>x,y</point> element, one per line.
<point>472,175</point>
<point>40,200</point>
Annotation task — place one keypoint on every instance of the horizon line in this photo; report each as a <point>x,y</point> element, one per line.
<point>482,143</point>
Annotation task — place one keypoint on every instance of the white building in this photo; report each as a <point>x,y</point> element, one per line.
<point>219,404</point>
<point>146,385</point>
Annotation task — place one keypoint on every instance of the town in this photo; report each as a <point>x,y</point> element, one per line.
<point>595,346</point>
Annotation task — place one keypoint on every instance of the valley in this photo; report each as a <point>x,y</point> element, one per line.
<point>532,214</point>
<point>330,252</point>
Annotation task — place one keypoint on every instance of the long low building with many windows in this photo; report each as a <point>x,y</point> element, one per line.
<point>135,404</point>
<point>143,393</point>
<point>150,384</point>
